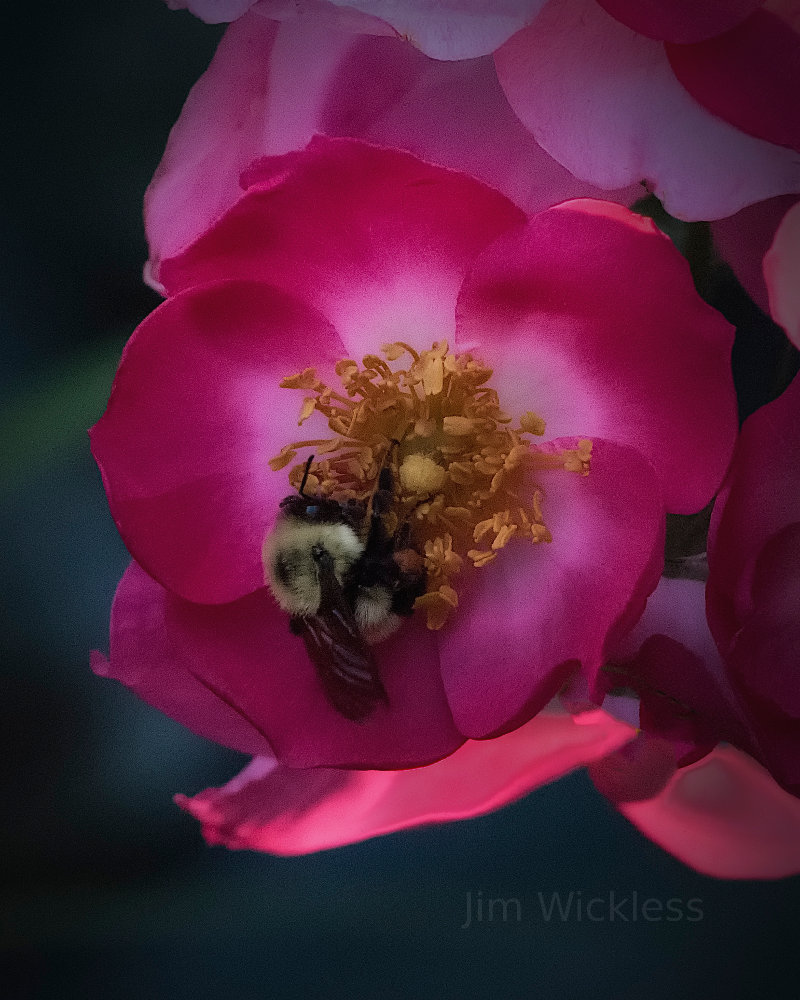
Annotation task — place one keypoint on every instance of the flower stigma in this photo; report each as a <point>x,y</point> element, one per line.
<point>464,483</point>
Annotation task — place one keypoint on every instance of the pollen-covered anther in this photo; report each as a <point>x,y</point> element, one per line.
<point>420,474</point>
<point>464,476</point>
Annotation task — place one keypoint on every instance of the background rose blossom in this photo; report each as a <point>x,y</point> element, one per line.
<point>598,93</point>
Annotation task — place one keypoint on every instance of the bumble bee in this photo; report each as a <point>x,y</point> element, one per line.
<point>345,582</point>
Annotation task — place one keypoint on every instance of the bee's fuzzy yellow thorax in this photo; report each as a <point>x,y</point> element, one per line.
<point>465,472</point>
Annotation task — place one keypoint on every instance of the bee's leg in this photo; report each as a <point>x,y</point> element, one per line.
<point>406,590</point>
<point>297,625</point>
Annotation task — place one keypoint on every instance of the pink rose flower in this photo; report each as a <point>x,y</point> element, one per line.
<point>696,100</point>
<point>579,326</point>
<point>730,673</point>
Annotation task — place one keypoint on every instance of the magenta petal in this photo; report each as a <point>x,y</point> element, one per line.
<point>144,660</point>
<point>287,811</point>
<point>240,660</point>
<point>639,770</point>
<point>766,649</point>
<point>245,653</point>
<point>760,497</point>
<point>537,611</point>
<point>593,322</point>
<point>195,415</point>
<point>680,20</point>
<point>726,817</point>
<point>376,239</point>
<point>604,102</point>
<point>782,275</point>
<point>749,77</point>
<point>462,30</point>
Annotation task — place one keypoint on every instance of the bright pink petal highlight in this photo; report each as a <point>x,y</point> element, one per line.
<point>462,30</point>
<point>144,660</point>
<point>749,77</point>
<point>605,103</point>
<point>782,275</point>
<point>528,619</point>
<point>585,292</point>
<point>725,817</point>
<point>376,239</point>
<point>282,811</point>
<point>195,415</point>
<point>681,21</point>
<point>760,497</point>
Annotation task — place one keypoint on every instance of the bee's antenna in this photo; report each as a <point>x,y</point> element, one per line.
<point>305,475</point>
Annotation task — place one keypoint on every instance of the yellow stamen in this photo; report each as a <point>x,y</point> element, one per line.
<point>464,474</point>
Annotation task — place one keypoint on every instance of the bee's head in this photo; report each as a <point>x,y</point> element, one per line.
<point>312,509</point>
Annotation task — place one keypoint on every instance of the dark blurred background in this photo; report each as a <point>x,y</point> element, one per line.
<point>107,888</point>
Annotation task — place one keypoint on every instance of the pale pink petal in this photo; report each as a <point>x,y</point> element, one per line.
<point>252,667</point>
<point>143,659</point>
<point>375,239</point>
<point>743,239</point>
<point>760,497</point>
<point>461,30</point>
<point>218,133</point>
<point>195,415</point>
<point>591,320</point>
<point>267,93</point>
<point>284,811</point>
<point>749,77</point>
<point>605,103</point>
<point>537,612</point>
<point>782,275</point>
<point>680,20</point>
<point>725,817</point>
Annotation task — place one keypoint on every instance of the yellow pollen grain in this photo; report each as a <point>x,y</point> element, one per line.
<point>464,473</point>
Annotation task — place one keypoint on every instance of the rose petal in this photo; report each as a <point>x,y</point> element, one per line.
<point>244,655</point>
<point>760,497</point>
<point>285,811</point>
<point>726,817</point>
<point>462,30</point>
<point>143,659</point>
<point>382,253</point>
<point>744,238</point>
<point>749,77</point>
<point>765,653</point>
<point>195,415</point>
<point>595,324</point>
<point>532,615</point>
<point>268,93</point>
<point>782,275</point>
<point>670,659</point>
<point>639,770</point>
<point>213,11</point>
<point>679,20</point>
<point>605,103</point>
